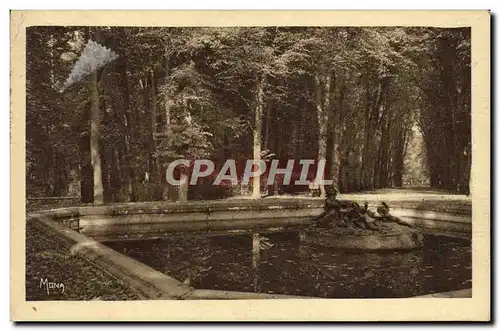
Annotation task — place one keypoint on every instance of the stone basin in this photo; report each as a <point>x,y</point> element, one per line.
<point>392,237</point>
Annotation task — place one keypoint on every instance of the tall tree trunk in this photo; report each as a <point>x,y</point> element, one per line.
<point>183,186</point>
<point>95,154</point>
<point>336,156</point>
<point>371,134</point>
<point>257,131</point>
<point>184,171</point>
<point>365,155</point>
<point>292,138</point>
<point>267,127</point>
<point>322,105</point>
<point>106,149</point>
<point>115,182</point>
<point>131,127</point>
<point>383,155</point>
<point>167,189</point>
<point>337,134</point>
<point>401,140</point>
<point>154,119</point>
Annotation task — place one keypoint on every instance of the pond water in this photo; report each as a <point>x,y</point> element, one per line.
<point>289,267</point>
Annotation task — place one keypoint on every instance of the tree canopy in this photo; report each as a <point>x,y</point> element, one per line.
<point>380,105</point>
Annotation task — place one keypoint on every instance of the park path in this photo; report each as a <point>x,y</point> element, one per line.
<point>388,194</point>
<point>405,194</point>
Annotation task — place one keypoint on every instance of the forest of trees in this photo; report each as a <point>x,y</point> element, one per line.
<point>347,95</point>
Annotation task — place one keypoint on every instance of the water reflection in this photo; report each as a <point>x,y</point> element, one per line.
<point>287,266</point>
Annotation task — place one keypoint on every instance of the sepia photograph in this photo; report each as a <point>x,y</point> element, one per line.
<point>252,163</point>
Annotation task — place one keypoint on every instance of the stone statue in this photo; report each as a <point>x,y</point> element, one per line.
<point>383,210</point>
<point>350,214</point>
<point>368,219</point>
<point>346,213</point>
<point>331,214</point>
<point>345,224</point>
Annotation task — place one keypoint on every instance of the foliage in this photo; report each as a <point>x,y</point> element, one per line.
<point>349,95</point>
<point>93,57</point>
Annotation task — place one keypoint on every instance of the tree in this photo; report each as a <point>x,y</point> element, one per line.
<point>444,57</point>
<point>351,97</point>
<point>93,58</point>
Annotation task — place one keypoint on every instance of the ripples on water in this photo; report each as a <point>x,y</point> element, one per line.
<point>289,267</point>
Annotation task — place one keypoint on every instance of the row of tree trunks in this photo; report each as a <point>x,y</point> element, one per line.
<point>130,129</point>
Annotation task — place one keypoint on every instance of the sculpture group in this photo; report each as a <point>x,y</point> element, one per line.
<point>342,213</point>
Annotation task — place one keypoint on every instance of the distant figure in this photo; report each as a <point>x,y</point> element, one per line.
<point>314,189</point>
<point>74,187</point>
